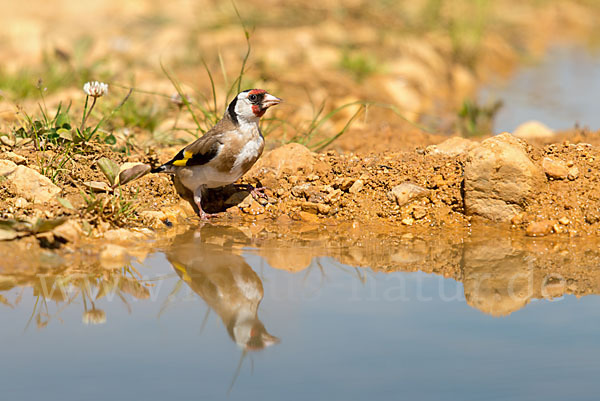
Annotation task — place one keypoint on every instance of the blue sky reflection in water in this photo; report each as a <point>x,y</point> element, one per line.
<point>560,90</point>
<point>328,332</point>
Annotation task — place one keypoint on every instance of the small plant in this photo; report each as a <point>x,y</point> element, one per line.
<point>358,64</point>
<point>475,119</point>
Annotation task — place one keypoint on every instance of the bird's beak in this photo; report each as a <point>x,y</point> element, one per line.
<point>270,100</point>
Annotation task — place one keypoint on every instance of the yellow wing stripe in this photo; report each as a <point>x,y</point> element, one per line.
<point>187,155</point>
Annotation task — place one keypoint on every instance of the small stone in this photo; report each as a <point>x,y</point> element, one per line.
<point>300,191</point>
<point>591,218</point>
<point>452,147</point>
<point>555,169</point>
<point>557,228</point>
<point>324,209</point>
<point>310,207</point>
<point>7,141</point>
<point>15,158</point>
<point>345,183</point>
<point>564,221</point>
<point>69,231</point>
<point>356,187</point>
<point>306,217</point>
<point>406,192</point>
<point>419,212</point>
<point>408,221</point>
<point>21,203</point>
<point>280,192</point>
<point>573,173</point>
<point>254,209</point>
<point>312,177</point>
<point>28,183</point>
<point>570,163</point>
<point>539,228</point>
<point>518,218</point>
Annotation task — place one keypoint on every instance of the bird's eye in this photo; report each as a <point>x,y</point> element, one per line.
<point>252,97</point>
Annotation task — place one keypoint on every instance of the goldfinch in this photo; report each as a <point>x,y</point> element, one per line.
<point>227,151</point>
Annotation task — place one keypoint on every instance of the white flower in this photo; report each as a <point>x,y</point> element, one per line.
<point>95,89</point>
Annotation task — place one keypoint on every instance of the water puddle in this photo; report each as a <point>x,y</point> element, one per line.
<point>225,312</point>
<point>561,90</point>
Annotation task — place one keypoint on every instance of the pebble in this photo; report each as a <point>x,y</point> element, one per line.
<point>573,173</point>
<point>419,212</point>
<point>564,221</point>
<point>408,221</point>
<point>555,169</point>
<point>540,228</point>
<point>356,187</point>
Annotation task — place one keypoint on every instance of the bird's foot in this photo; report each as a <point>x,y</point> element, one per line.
<point>257,192</point>
<point>206,216</point>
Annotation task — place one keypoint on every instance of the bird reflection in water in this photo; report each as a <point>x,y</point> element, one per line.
<point>224,281</point>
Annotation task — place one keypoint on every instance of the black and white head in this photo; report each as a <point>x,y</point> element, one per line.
<point>250,105</point>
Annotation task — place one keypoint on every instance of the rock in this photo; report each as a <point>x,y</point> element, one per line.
<point>419,212</point>
<point>310,207</point>
<point>406,192</point>
<point>6,167</point>
<point>254,208</point>
<point>573,173</point>
<point>356,187</point>
<point>344,183</point>
<point>539,228</point>
<point>28,183</point>
<point>324,209</point>
<point>290,159</point>
<point>452,147</point>
<point>113,256</point>
<point>555,168</point>
<point>301,191</point>
<point>21,203</point>
<point>564,221</point>
<point>408,221</point>
<point>533,130</point>
<point>499,178</point>
<point>69,231</point>
<point>15,158</point>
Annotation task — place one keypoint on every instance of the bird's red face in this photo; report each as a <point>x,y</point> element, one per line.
<point>261,101</point>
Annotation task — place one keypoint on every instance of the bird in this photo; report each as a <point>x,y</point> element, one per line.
<point>225,152</point>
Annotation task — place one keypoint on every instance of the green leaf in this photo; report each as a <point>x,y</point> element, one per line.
<point>109,169</point>
<point>61,120</point>
<point>110,140</point>
<point>65,134</point>
<point>65,203</point>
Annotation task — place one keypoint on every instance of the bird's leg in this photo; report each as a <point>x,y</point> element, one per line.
<point>198,201</point>
<point>256,192</point>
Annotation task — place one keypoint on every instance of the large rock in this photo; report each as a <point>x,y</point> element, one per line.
<point>500,178</point>
<point>28,183</point>
<point>533,130</point>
